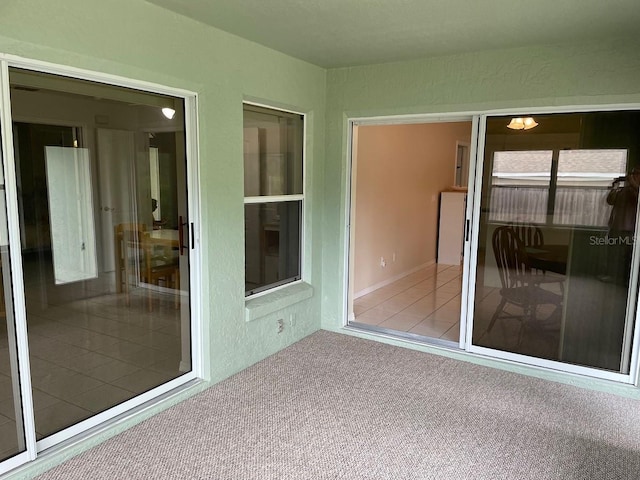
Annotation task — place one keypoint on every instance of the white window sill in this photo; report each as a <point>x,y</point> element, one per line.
<point>279,299</point>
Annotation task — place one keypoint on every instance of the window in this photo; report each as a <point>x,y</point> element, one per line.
<point>561,187</point>
<point>274,196</point>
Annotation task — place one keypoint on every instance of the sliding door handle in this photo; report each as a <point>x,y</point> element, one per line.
<point>181,244</point>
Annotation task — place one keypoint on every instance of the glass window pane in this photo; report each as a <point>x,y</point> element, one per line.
<point>100,172</point>
<point>272,152</point>
<point>556,241</point>
<point>272,244</point>
<point>520,186</point>
<point>584,178</point>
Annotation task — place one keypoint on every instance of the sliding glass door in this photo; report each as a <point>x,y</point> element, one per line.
<point>556,269</point>
<point>104,243</point>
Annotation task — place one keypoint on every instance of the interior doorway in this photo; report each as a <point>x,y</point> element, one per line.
<point>407,226</point>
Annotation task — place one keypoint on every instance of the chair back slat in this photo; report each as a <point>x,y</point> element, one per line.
<point>511,257</point>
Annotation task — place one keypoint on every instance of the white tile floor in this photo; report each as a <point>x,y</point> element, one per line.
<point>426,303</point>
<point>89,354</point>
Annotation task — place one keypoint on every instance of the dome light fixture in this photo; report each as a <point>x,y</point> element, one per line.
<point>168,112</point>
<point>522,123</point>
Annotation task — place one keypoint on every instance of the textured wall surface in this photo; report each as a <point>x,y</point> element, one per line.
<point>598,73</point>
<point>401,170</point>
<point>141,41</point>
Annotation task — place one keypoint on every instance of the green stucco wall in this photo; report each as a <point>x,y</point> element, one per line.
<point>556,75</point>
<point>134,39</point>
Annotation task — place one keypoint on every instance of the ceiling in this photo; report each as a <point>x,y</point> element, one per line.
<point>337,33</point>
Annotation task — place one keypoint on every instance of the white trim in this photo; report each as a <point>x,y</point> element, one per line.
<point>413,118</point>
<point>466,254</point>
<point>389,281</point>
<point>282,286</point>
<point>460,143</point>
<point>348,314</point>
<point>474,215</point>
<point>110,414</point>
<point>272,107</point>
<point>199,352</point>
<point>273,199</point>
<point>560,367</point>
<point>94,76</point>
<point>15,254</point>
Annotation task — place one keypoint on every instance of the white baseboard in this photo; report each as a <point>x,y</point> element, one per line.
<point>389,281</point>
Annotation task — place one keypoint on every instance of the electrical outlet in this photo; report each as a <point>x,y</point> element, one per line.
<point>383,262</point>
<point>394,257</point>
<point>292,319</point>
<point>280,325</point>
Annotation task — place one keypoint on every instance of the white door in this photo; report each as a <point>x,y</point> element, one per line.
<point>116,170</point>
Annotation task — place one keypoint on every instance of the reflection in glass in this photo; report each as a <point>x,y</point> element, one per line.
<point>272,243</point>
<point>12,434</point>
<point>272,152</point>
<point>105,282</point>
<point>556,262</point>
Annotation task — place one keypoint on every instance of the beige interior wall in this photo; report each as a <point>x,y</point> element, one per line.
<point>401,169</point>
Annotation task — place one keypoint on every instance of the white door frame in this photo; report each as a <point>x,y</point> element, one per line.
<point>120,412</point>
<point>350,197</point>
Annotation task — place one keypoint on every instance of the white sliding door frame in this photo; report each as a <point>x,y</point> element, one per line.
<point>121,412</point>
<point>474,195</point>
<point>534,362</point>
<point>15,254</point>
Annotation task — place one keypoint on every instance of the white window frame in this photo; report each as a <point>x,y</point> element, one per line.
<point>252,200</point>
<point>119,414</point>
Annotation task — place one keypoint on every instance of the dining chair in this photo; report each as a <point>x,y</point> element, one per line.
<point>138,257</point>
<point>532,238</point>
<point>529,234</point>
<point>518,286</point>
<point>160,265</point>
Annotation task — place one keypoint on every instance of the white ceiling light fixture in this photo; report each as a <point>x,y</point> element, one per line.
<point>522,123</point>
<point>168,112</point>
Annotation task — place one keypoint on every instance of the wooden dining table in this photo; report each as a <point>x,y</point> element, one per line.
<point>549,258</point>
<point>164,237</point>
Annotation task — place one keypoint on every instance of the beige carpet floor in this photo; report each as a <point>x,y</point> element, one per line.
<point>337,407</point>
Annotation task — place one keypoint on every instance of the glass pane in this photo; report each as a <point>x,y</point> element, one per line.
<point>556,239</point>
<point>100,173</point>
<point>584,178</point>
<point>12,435</point>
<point>520,186</point>
<point>272,244</point>
<point>272,152</point>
